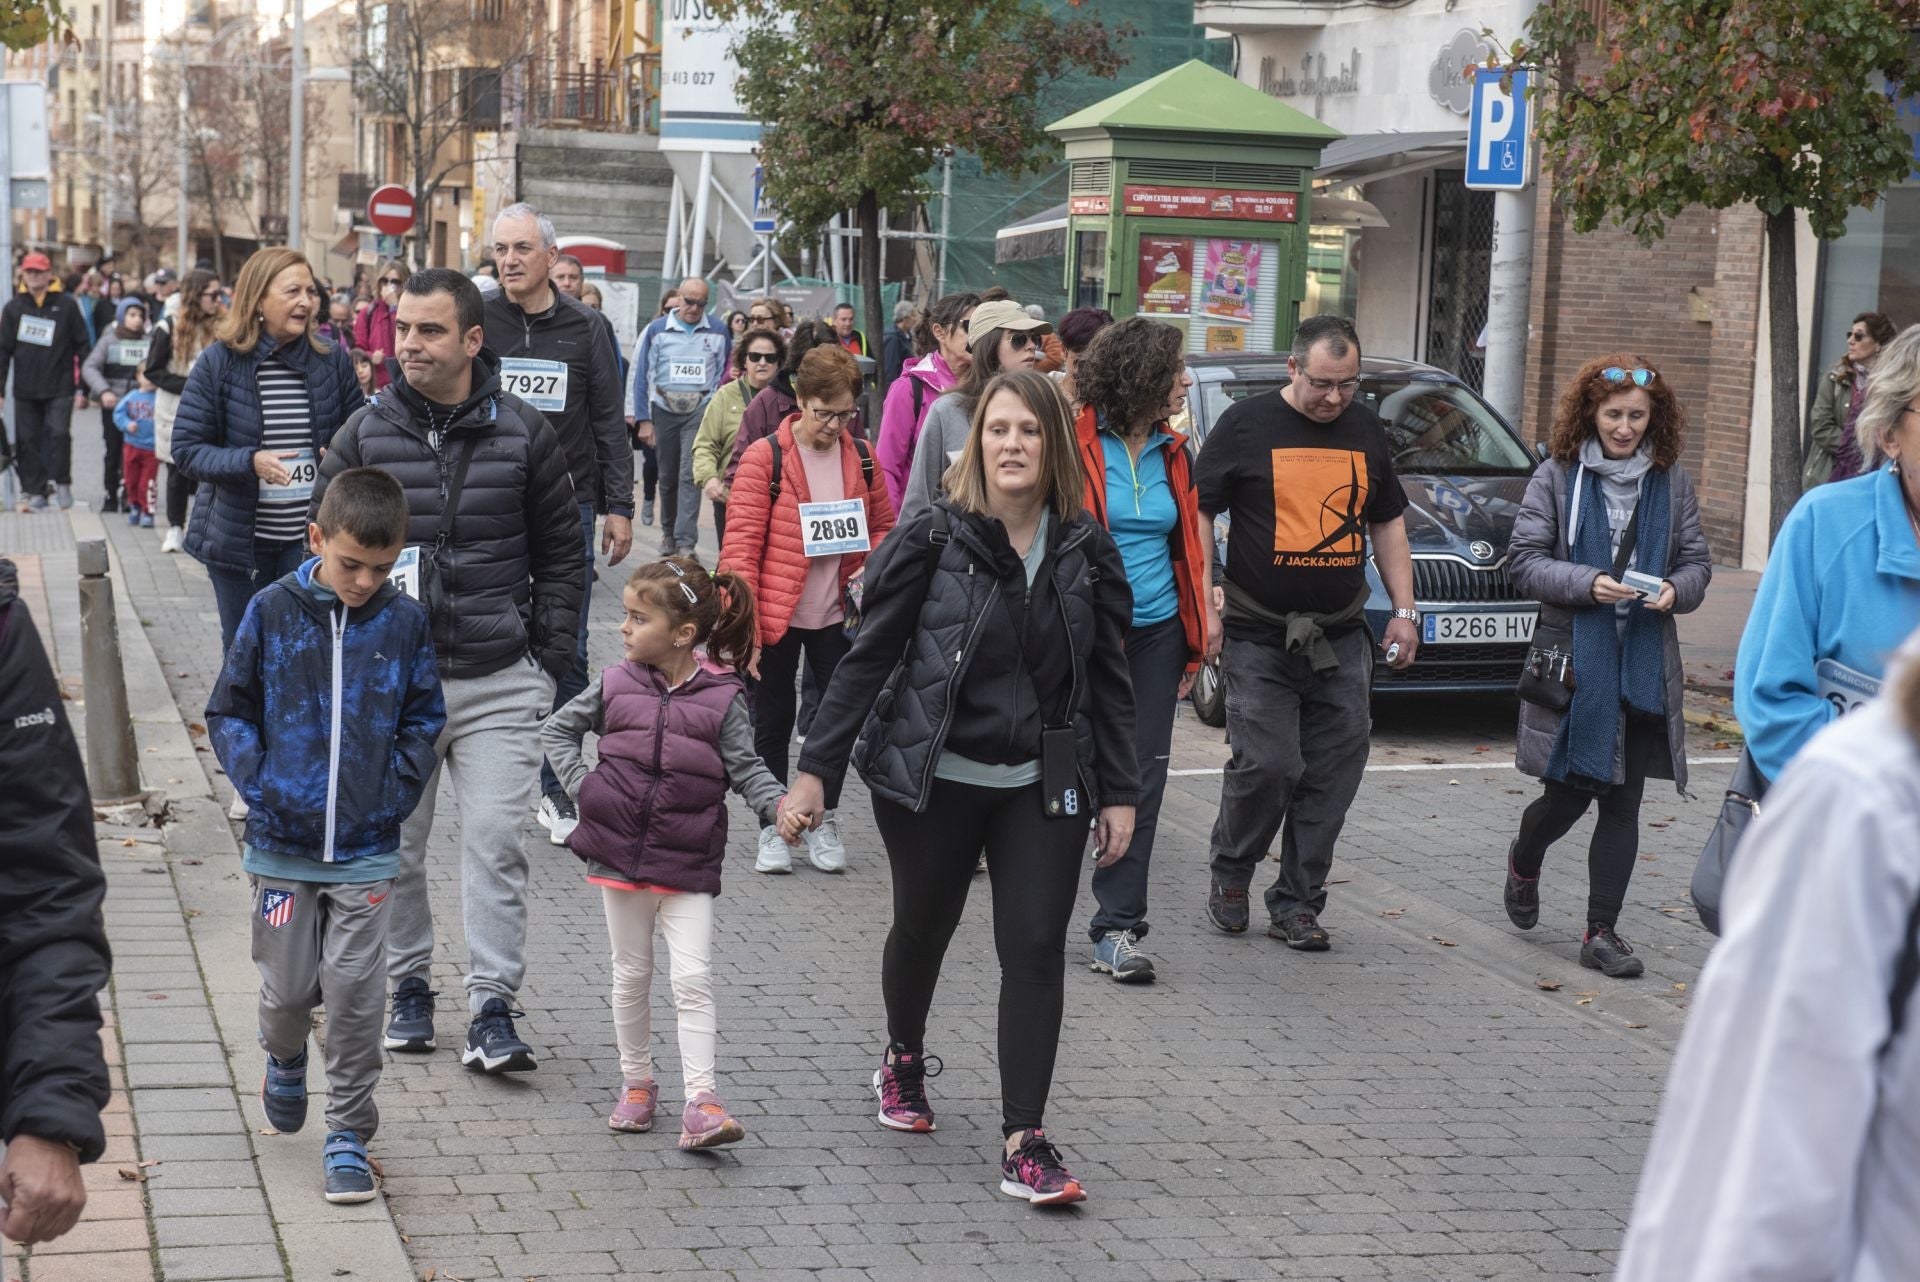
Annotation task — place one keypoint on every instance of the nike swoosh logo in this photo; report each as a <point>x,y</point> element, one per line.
<point>374,901</point>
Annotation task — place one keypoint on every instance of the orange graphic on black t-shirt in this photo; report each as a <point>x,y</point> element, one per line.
<point>1318,498</point>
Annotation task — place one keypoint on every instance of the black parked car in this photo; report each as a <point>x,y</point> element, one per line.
<point>1464,470</point>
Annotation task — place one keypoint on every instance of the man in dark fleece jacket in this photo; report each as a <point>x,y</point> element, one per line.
<point>42,336</point>
<point>502,576</point>
<point>53,945</point>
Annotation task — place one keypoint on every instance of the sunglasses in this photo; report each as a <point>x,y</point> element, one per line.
<point>761,316</point>
<point>391,280</point>
<point>1858,336</point>
<point>1022,340</point>
<point>695,303</point>
<point>1638,377</point>
<point>761,358</point>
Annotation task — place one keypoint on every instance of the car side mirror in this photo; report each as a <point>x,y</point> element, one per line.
<point>1541,451</point>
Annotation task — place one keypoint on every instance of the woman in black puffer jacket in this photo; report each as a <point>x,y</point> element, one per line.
<point>995,621</point>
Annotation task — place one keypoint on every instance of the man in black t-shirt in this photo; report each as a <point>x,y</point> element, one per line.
<point>1306,476</point>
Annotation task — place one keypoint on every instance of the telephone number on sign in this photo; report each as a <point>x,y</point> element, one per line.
<point>830,529</point>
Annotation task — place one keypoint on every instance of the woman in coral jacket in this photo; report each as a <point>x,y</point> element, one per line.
<point>807,506</point>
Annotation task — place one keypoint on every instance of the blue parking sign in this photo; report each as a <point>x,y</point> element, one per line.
<point>1500,132</point>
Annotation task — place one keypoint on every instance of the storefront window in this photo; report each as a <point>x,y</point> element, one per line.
<point>1090,252</point>
<point>1333,279</point>
<point>1875,265</point>
<point>1221,289</point>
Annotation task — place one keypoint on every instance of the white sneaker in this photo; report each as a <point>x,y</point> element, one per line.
<point>775,855</point>
<point>238,810</point>
<point>175,538</point>
<point>559,817</point>
<point>824,850</point>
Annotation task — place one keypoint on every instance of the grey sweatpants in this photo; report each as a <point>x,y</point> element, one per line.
<point>1300,746</point>
<point>491,751</point>
<point>321,943</point>
<point>679,496</point>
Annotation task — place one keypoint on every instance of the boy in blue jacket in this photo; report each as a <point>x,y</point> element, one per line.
<point>325,717</point>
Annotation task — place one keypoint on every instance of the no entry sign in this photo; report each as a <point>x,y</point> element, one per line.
<point>390,210</point>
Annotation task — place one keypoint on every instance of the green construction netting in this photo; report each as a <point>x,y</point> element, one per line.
<point>983,204</point>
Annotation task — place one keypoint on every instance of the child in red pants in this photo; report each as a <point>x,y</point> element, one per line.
<point>134,417</point>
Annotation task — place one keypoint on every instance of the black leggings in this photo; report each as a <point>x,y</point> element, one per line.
<point>1033,864</point>
<point>1616,834</point>
<point>179,489</point>
<point>773,708</point>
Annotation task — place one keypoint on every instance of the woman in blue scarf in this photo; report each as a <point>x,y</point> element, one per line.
<point>1614,474</point>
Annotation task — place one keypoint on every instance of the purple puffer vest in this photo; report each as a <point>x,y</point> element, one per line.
<point>655,808</point>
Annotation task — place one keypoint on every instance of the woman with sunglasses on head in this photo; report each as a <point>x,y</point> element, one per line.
<point>1609,541</point>
<point>758,356</point>
<point>373,328</point>
<point>1000,336</point>
<point>1834,453</point>
<point>940,346</point>
<point>805,509</point>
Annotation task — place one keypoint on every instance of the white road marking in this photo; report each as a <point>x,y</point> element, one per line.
<point>1441,765</point>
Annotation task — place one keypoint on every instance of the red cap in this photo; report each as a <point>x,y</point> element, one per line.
<point>35,263</point>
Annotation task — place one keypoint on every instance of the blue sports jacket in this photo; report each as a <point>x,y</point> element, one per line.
<point>325,718</point>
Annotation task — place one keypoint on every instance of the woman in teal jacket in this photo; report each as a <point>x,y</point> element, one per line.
<point>1842,587</point>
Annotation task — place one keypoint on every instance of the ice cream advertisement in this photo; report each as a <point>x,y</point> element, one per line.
<point>1166,276</point>
<point>1232,267</point>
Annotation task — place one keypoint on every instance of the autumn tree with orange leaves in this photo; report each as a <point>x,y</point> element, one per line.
<point>1783,104</point>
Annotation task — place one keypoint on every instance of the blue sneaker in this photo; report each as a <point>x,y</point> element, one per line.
<point>349,1174</point>
<point>411,1028</point>
<point>283,1092</point>
<point>1118,954</point>
<point>492,1046</point>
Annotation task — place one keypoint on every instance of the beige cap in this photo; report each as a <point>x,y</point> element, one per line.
<point>1002,313</point>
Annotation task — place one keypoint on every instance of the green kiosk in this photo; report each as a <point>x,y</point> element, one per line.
<point>1188,201</point>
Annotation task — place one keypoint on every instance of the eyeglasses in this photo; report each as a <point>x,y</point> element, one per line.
<point>760,316</point>
<point>1858,336</point>
<point>695,303</point>
<point>1638,377</point>
<point>1332,387</point>
<point>841,417</point>
<point>391,280</point>
<point>209,293</point>
<point>761,358</point>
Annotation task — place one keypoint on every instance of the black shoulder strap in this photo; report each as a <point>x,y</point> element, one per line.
<point>1906,975</point>
<point>866,462</point>
<point>938,536</point>
<point>1624,557</point>
<point>919,398</point>
<point>454,486</point>
<point>773,477</point>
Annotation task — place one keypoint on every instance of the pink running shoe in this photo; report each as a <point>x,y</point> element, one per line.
<point>634,1112</point>
<point>901,1084</point>
<point>705,1123</point>
<point>1034,1171</point>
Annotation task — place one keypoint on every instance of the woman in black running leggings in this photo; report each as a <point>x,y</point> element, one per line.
<point>988,688</point>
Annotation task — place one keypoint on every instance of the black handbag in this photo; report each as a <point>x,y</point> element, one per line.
<point>1546,678</point>
<point>1737,811</point>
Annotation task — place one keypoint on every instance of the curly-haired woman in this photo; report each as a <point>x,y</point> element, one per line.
<point>1131,378</point>
<point>1612,490</point>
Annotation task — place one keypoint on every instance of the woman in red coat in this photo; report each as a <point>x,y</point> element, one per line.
<point>807,506</point>
<point>373,328</point>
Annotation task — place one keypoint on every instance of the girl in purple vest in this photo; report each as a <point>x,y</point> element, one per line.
<point>674,735</point>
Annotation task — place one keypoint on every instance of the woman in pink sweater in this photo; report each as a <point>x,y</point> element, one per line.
<point>941,333</point>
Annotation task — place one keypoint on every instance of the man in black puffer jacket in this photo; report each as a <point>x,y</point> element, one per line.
<point>502,577</point>
<point>53,945</point>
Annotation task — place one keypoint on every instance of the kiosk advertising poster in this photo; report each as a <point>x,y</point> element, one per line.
<point>1232,271</point>
<point>1166,276</point>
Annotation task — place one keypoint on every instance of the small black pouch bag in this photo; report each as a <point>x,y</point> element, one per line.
<point>1546,678</point>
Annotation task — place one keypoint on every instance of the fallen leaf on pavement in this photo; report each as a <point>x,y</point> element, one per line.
<point>128,841</point>
<point>152,1161</point>
<point>1679,988</point>
<point>1636,1025</point>
<point>1721,745</point>
<point>128,1173</point>
<point>1548,985</point>
<point>1444,943</point>
<point>1391,912</point>
<point>191,863</point>
<point>195,728</point>
<point>268,1130</point>
<point>1584,1001</point>
<point>1453,783</point>
<point>156,997</point>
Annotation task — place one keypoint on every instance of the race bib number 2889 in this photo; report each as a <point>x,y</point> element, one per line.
<point>830,529</point>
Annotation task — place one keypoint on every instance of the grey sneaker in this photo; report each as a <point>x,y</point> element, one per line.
<point>824,849</point>
<point>1118,954</point>
<point>774,855</point>
<point>1227,909</point>
<point>37,503</point>
<point>63,497</point>
<point>646,512</point>
<point>1301,931</point>
<point>1606,952</point>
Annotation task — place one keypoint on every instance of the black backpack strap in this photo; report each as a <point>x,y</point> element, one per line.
<point>773,477</point>
<point>866,462</point>
<point>938,536</point>
<point>1906,975</point>
<point>919,398</point>
<point>866,465</point>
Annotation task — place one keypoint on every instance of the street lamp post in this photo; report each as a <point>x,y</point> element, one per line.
<point>297,127</point>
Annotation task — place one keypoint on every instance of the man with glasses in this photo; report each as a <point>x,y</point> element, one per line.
<point>680,360</point>
<point>554,355</point>
<point>1306,476</point>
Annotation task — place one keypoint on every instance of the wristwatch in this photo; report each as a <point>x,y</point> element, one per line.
<point>1411,616</point>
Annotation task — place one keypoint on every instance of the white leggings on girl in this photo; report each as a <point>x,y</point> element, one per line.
<point>687,921</point>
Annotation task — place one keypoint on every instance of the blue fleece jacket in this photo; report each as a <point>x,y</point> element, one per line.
<point>325,718</point>
<point>1842,584</point>
<point>667,354</point>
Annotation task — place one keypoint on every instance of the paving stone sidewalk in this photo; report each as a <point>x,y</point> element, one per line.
<point>1410,1105</point>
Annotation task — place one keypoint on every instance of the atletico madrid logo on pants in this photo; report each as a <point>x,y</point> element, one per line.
<point>276,907</point>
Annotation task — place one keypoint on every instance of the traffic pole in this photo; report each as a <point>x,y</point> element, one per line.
<point>113,759</point>
<point>1509,296</point>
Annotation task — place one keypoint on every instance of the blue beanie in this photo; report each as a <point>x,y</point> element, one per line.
<point>120,309</point>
